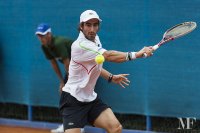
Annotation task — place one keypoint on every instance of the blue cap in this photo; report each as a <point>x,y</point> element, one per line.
<point>43,29</point>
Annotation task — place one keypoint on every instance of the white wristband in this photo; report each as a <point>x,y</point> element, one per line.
<point>127,56</point>
<point>133,56</point>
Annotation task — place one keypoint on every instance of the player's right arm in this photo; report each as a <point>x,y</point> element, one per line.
<point>117,56</point>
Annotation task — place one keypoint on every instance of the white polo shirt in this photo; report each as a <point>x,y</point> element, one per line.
<point>83,70</point>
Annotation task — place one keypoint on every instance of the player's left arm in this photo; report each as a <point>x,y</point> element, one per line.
<point>119,79</point>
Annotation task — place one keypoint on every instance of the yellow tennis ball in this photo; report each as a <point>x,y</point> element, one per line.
<point>99,59</point>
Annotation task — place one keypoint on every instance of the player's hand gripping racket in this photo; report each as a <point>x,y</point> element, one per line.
<point>175,32</point>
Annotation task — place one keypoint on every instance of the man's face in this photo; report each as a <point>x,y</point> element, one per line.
<point>90,28</point>
<point>44,39</point>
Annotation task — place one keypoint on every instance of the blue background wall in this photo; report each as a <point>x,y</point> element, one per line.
<point>167,84</point>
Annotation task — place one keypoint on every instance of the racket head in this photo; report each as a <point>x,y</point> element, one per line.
<point>179,30</point>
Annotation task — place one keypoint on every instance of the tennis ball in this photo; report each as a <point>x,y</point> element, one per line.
<point>99,59</point>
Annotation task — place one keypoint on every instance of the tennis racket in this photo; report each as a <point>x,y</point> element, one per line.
<point>175,32</point>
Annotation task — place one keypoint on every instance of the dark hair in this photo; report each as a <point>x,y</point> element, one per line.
<point>80,25</point>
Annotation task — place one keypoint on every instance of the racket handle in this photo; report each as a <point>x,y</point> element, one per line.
<point>144,55</point>
<point>155,47</point>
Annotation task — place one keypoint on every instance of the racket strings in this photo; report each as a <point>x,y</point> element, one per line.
<point>180,30</point>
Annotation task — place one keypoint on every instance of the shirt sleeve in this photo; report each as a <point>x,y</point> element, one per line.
<point>63,52</point>
<point>101,50</point>
<point>64,48</point>
<point>86,51</point>
<point>46,53</point>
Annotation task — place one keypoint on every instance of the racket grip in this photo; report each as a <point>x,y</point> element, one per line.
<point>144,55</point>
<point>155,47</point>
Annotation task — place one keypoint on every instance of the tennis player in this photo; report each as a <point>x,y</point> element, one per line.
<point>79,103</point>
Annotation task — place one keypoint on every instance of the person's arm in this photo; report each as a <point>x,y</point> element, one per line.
<point>120,79</point>
<point>66,64</point>
<point>117,56</point>
<point>58,72</point>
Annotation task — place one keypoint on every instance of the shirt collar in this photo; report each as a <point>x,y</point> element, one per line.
<point>51,44</point>
<point>82,36</point>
